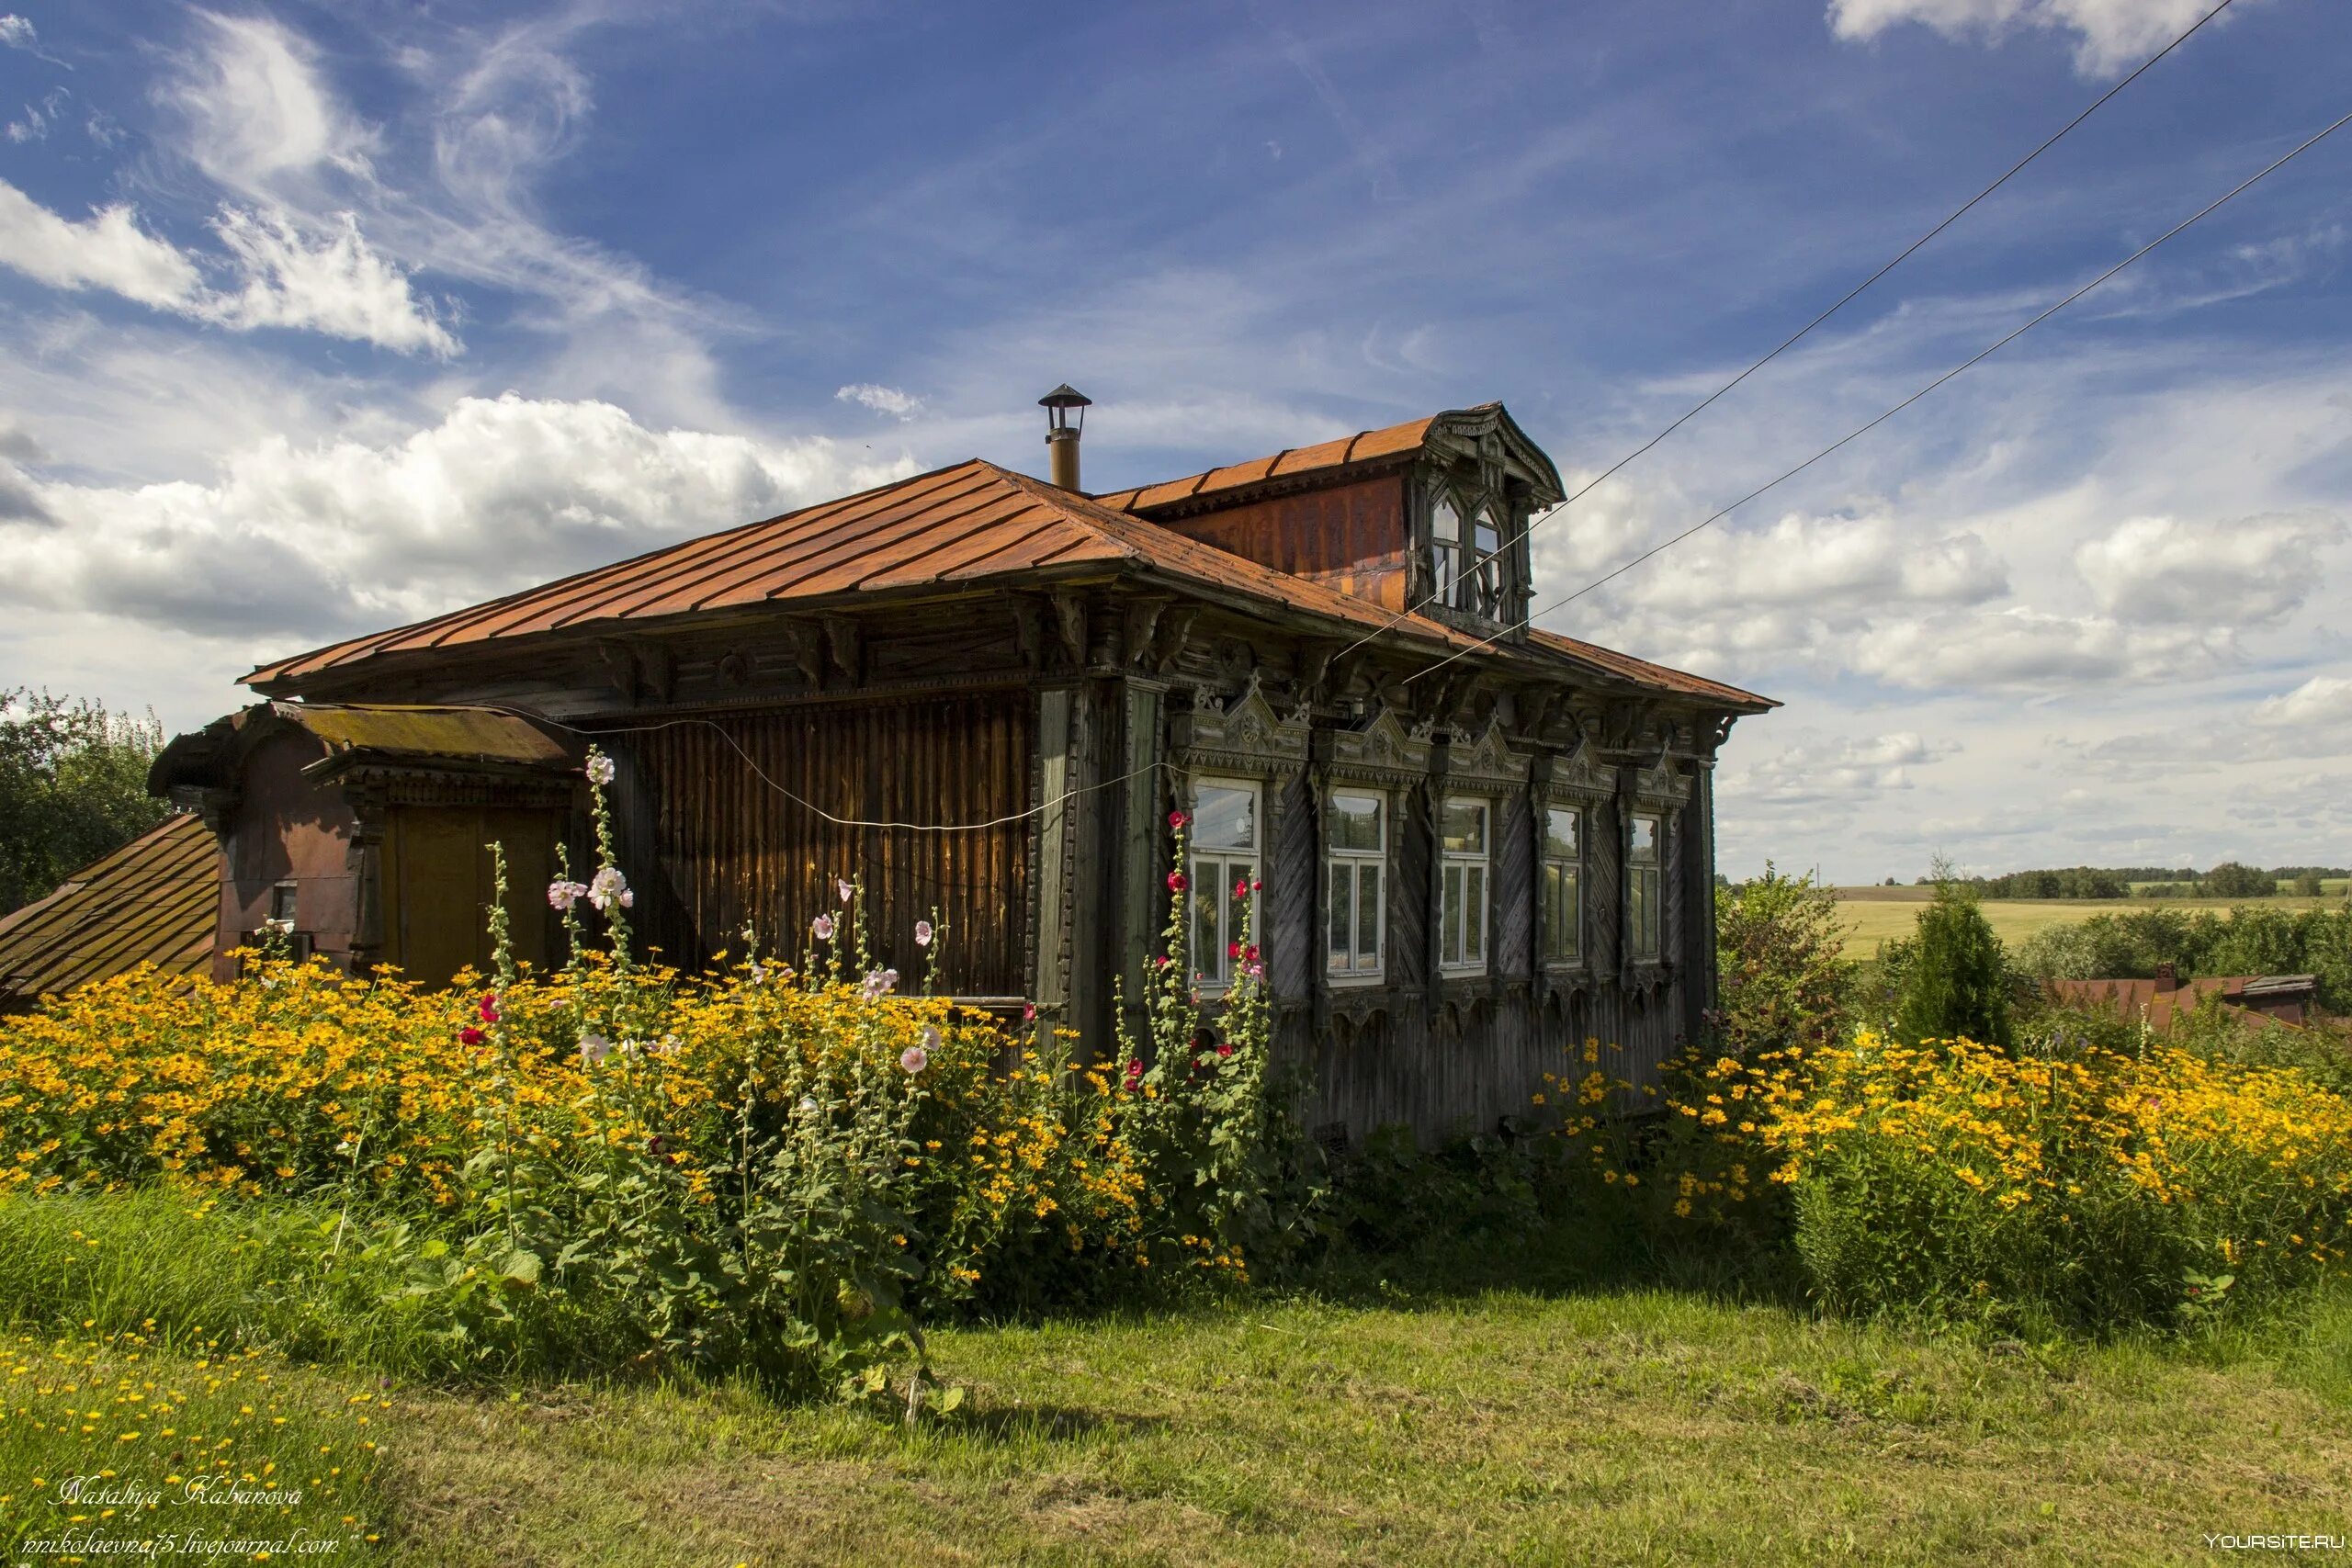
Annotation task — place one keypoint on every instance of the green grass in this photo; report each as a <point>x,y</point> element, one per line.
<point>1545,1400</point>
<point>1873,915</point>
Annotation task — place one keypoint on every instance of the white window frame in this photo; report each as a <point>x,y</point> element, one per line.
<point>1467,867</point>
<point>1655,904</point>
<point>1549,862</point>
<point>1350,866</point>
<point>1212,966</point>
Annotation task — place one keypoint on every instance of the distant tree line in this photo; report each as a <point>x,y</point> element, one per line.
<point>2230,879</point>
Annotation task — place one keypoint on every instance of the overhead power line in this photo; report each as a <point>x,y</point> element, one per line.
<point>1973,360</point>
<point>1801,333</point>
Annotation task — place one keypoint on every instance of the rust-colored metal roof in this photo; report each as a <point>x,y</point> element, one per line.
<point>1364,446</point>
<point>1641,671</point>
<point>155,900</point>
<point>429,733</point>
<point>2161,1003</point>
<point>966,526</point>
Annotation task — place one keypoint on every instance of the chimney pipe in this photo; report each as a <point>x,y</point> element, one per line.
<point>2167,978</point>
<point>1065,409</point>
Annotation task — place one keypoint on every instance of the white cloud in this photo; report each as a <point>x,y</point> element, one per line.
<point>1817,769</point>
<point>327,281</point>
<point>2018,648</point>
<point>283,273</point>
<point>39,118</point>
<point>2249,570</point>
<point>254,111</point>
<point>341,535</point>
<point>16,32</point>
<point>108,250</point>
<point>2109,34</point>
<point>881,399</point>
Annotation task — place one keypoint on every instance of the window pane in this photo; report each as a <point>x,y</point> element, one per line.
<point>1224,818</point>
<point>1487,537</point>
<point>1474,915</point>
<point>1450,918</point>
<point>1462,825</point>
<point>1643,890</point>
<point>1445,523</point>
<point>1646,840</point>
<point>1368,879</point>
<point>1356,822</point>
<point>1343,897</point>
<point>1562,915</point>
<point>1560,826</point>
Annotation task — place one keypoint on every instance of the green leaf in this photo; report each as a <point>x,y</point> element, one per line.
<point>521,1269</point>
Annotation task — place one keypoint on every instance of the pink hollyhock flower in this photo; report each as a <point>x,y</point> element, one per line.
<point>844,889</point>
<point>822,926</point>
<point>562,895</point>
<point>878,984</point>
<point>593,1049</point>
<point>914,1059</point>
<point>608,889</point>
<point>600,768</point>
<point>489,1007</point>
<point>923,933</point>
<point>470,1035</point>
<point>1029,1012</point>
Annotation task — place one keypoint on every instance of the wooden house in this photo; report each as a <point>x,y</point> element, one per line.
<point>982,695</point>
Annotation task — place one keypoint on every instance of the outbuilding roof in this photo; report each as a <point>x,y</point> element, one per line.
<point>155,900</point>
<point>420,735</point>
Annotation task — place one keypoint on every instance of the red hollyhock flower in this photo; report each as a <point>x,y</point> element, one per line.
<point>1178,882</point>
<point>1250,954</point>
<point>1259,885</point>
<point>1233,950</point>
<point>1225,1048</point>
<point>488,1008</point>
<point>1178,819</point>
<point>470,1035</point>
<point>1242,888</point>
<point>1134,1071</point>
<point>1029,1012</point>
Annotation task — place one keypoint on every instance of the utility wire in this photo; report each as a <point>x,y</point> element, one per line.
<point>1801,333</point>
<point>1967,364</point>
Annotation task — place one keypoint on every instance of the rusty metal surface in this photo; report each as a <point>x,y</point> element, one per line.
<point>156,901</point>
<point>1364,446</point>
<point>1641,671</point>
<point>971,524</point>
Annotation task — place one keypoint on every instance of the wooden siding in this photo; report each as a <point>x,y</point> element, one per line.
<point>714,848</point>
<point>1351,537</point>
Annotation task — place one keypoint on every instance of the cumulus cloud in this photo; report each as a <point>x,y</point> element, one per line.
<point>1819,770</point>
<point>881,399</point>
<point>2018,648</point>
<point>281,273</point>
<point>2249,570</point>
<point>327,281</point>
<point>16,32</point>
<point>344,536</point>
<point>108,250</point>
<point>2110,36</point>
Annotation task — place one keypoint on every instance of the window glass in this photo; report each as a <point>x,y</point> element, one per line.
<point>1462,898</point>
<point>1445,549</point>
<point>1562,885</point>
<point>1225,817</point>
<point>1357,821</point>
<point>1225,841</point>
<point>1462,823</point>
<point>1486,566</point>
<point>1354,869</point>
<point>1643,907</point>
<point>1646,840</point>
<point>1561,825</point>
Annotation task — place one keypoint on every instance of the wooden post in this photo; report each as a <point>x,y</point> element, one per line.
<point>1048,974</point>
<point>1141,894</point>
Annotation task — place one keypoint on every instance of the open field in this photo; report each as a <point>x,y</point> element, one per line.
<point>1874,914</point>
<point>1620,1426</point>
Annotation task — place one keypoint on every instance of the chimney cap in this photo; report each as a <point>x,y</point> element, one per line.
<point>1065,397</point>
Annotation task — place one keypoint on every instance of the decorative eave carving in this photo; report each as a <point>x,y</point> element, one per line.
<point>1486,761</point>
<point>1662,784</point>
<point>1382,752</point>
<point>1573,776</point>
<point>1245,736</point>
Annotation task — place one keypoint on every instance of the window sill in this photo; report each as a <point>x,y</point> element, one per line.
<point>1355,982</point>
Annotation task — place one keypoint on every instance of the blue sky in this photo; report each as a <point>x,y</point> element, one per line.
<point>323,317</point>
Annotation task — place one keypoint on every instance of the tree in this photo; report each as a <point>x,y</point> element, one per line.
<point>1956,982</point>
<point>2233,879</point>
<point>73,787</point>
<point>2308,885</point>
<point>1783,980</point>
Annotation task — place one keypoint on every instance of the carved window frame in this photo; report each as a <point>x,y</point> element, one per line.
<point>1655,872</point>
<point>1548,861</point>
<point>1481,861</point>
<point>1475,504</point>
<point>1212,968</point>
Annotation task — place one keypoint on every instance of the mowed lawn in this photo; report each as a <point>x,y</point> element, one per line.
<point>1874,914</point>
<point>1617,1426</point>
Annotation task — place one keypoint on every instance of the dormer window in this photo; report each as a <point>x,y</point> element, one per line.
<point>1471,567</point>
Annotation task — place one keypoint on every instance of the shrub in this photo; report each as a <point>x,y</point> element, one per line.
<point>774,1170</point>
<point>2234,879</point>
<point>1953,1180</point>
<point>1956,982</point>
<point>1781,975</point>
